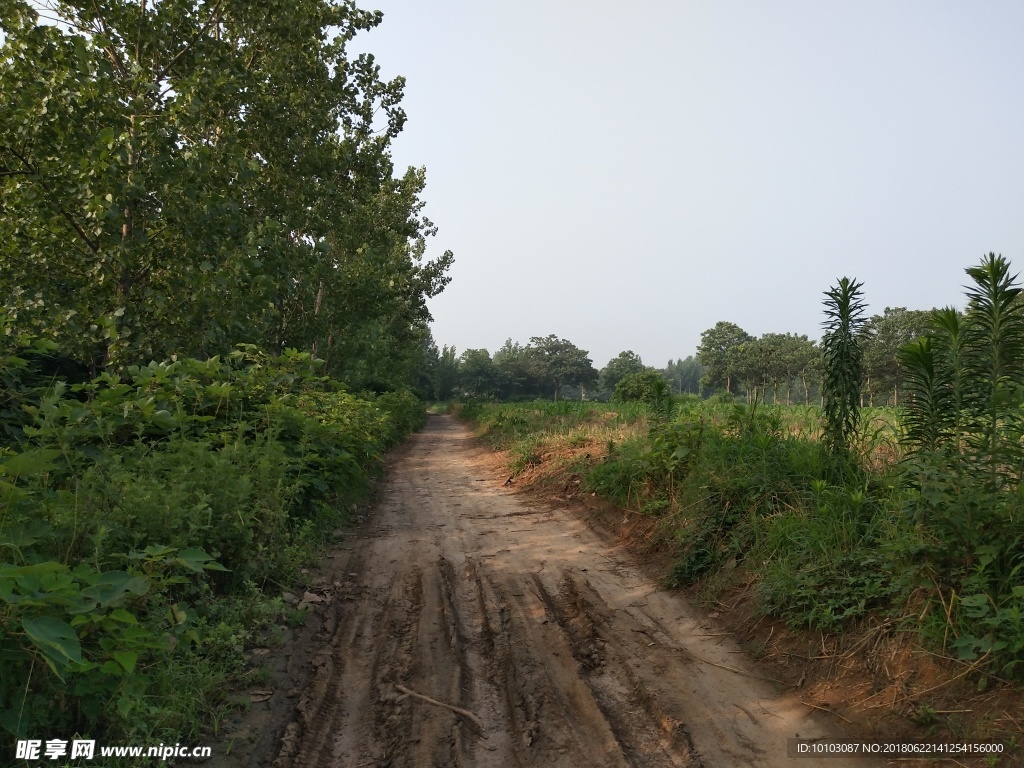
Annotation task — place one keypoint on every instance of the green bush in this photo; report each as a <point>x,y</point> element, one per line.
<point>647,387</point>
<point>135,509</point>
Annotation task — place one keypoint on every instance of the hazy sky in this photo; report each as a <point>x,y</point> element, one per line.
<point>627,175</point>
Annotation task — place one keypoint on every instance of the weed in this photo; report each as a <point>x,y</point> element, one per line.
<point>924,716</point>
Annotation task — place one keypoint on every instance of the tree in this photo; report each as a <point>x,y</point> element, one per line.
<point>647,386</point>
<point>884,336</point>
<point>427,367</point>
<point>791,354</point>
<point>516,376</point>
<point>446,374</point>
<point>623,364</point>
<point>153,201</point>
<point>719,354</point>
<point>684,375</point>
<point>477,374</point>
<point>805,363</point>
<point>559,361</point>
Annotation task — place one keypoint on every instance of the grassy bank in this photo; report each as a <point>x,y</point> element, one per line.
<point>150,523</point>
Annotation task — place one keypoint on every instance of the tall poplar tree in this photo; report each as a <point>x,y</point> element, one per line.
<point>181,176</point>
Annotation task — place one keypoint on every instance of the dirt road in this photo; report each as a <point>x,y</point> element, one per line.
<point>557,648</point>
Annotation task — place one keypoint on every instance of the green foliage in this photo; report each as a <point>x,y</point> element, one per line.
<point>135,506</point>
<point>624,364</point>
<point>882,339</point>
<point>774,361</point>
<point>646,386</point>
<point>719,355</point>
<point>155,206</point>
<point>963,428</point>
<point>477,374</point>
<point>684,375</point>
<point>559,361</point>
<point>844,310</point>
<point>154,202</point>
<point>445,374</point>
<point>516,372</point>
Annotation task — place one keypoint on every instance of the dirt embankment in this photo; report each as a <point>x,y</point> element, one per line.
<point>463,625</point>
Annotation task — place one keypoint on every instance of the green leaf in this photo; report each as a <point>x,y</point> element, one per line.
<point>30,577</point>
<point>196,560</point>
<point>164,420</point>
<point>34,462</point>
<point>967,647</point>
<point>26,534</point>
<point>177,615</point>
<point>56,640</point>
<point>153,551</point>
<point>112,586</point>
<point>126,659</point>
<point>976,606</point>
<point>125,705</point>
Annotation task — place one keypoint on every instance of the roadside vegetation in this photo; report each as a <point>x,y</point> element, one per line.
<point>838,517</point>
<point>151,521</point>
<point>213,323</point>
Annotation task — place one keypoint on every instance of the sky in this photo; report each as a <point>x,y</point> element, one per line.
<point>627,175</point>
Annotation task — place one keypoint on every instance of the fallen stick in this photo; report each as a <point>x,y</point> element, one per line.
<point>746,712</point>
<point>728,668</point>
<point>824,709</point>
<point>458,710</point>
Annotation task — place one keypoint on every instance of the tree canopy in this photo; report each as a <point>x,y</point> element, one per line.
<point>176,178</point>
<point>621,365</point>
<point>684,375</point>
<point>719,354</point>
<point>559,361</point>
<point>883,337</point>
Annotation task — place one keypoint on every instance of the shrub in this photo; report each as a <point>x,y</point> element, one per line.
<point>647,386</point>
<point>135,507</point>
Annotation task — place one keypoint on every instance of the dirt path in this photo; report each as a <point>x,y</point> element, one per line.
<point>457,590</point>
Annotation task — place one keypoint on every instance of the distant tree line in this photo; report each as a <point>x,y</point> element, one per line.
<point>515,372</point>
<point>787,368</point>
<point>775,367</point>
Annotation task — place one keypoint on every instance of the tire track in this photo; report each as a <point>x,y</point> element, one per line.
<point>462,593</point>
<point>646,735</point>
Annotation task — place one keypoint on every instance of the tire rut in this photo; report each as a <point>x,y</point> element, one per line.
<point>646,735</point>
<point>508,614</point>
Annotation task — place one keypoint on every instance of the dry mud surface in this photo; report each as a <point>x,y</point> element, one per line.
<point>556,646</point>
